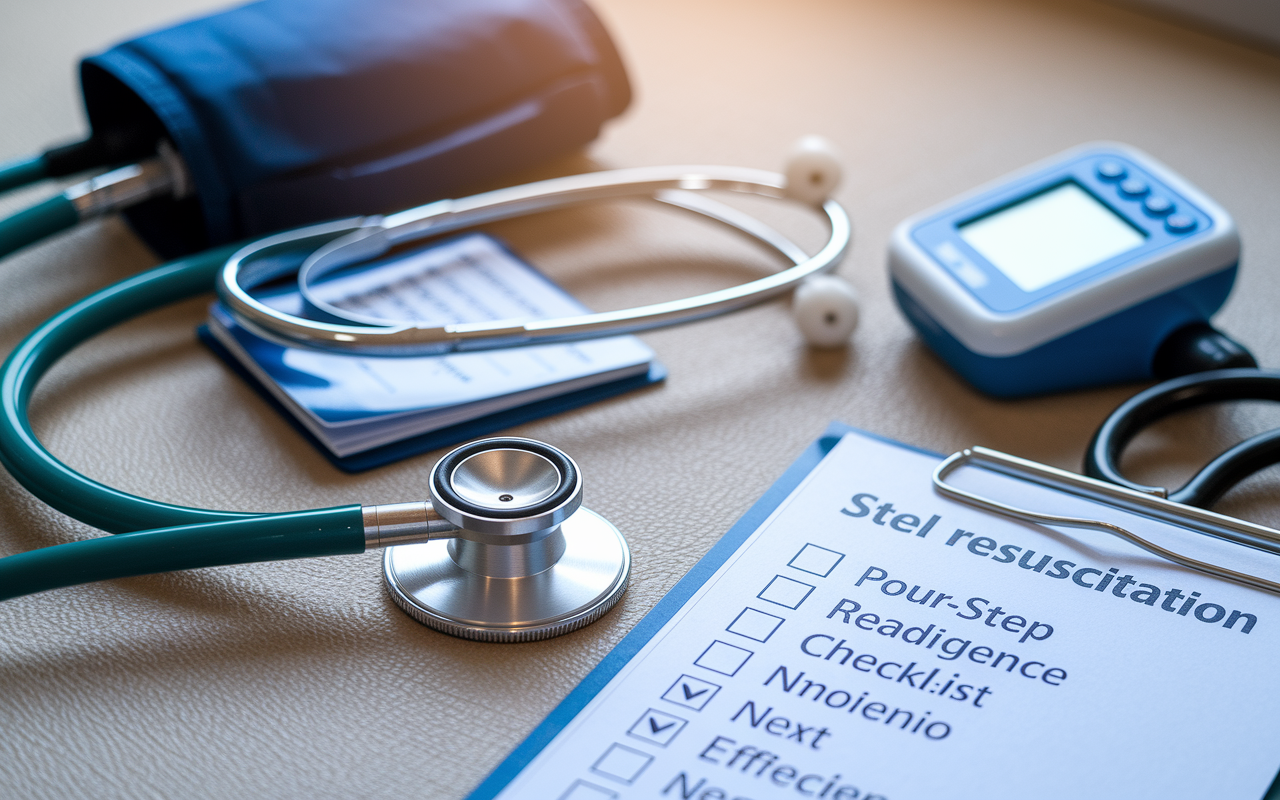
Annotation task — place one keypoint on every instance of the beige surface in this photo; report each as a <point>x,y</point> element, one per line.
<point>302,679</point>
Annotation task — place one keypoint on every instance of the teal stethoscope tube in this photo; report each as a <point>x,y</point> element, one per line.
<point>154,536</point>
<point>22,171</point>
<point>38,222</point>
<point>267,537</point>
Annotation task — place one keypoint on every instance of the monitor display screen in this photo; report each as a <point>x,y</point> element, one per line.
<point>1050,236</point>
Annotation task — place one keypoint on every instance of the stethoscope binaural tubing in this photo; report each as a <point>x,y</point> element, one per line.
<point>369,237</point>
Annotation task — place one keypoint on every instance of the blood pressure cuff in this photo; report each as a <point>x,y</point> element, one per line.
<point>293,111</point>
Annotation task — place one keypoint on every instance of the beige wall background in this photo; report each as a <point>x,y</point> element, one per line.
<point>302,679</point>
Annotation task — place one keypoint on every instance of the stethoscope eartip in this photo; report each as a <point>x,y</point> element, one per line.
<point>826,310</point>
<point>813,170</point>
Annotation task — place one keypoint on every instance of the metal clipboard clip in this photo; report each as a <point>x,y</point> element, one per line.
<point>1155,506</point>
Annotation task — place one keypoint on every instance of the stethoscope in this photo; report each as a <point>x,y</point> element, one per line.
<point>510,556</point>
<point>1202,490</point>
<point>501,550</point>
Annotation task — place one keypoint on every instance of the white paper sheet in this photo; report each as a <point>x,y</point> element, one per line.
<point>762,686</point>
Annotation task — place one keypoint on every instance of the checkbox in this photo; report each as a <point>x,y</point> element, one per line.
<point>581,790</point>
<point>723,658</point>
<point>785,592</point>
<point>755,625</point>
<point>657,727</point>
<point>621,763</point>
<point>815,560</point>
<point>691,692</point>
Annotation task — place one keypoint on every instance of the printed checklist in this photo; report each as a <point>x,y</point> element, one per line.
<point>867,639</point>
<point>620,764</point>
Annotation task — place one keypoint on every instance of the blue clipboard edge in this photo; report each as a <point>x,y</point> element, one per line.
<point>667,607</point>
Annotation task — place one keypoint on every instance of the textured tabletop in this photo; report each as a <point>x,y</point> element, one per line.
<point>302,679</point>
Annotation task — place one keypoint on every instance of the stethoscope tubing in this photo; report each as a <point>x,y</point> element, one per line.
<point>38,222</point>
<point>268,537</point>
<point>21,451</point>
<point>22,172</point>
<point>1179,394</point>
<point>153,536</point>
<point>360,239</point>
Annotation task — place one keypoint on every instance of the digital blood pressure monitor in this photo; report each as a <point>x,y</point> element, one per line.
<point>1096,266</point>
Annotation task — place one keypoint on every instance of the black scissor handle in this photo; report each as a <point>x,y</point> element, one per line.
<point>1180,394</point>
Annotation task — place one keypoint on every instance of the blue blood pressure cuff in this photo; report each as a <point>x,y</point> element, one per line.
<point>293,111</point>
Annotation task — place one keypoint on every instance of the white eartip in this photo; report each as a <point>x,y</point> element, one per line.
<point>826,309</point>
<point>813,170</point>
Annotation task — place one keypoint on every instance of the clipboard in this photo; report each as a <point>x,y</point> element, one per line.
<point>1154,505</point>
<point>585,700</point>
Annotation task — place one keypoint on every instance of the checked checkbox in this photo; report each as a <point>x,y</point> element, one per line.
<point>691,692</point>
<point>657,727</point>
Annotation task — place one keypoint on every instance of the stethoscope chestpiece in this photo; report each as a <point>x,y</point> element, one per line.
<point>505,490</point>
<point>526,563</point>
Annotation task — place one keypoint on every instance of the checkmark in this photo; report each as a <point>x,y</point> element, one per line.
<point>657,727</point>
<point>691,692</point>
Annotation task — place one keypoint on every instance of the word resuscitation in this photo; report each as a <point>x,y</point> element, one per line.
<point>1109,581</point>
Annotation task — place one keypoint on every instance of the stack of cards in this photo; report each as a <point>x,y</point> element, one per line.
<point>366,411</point>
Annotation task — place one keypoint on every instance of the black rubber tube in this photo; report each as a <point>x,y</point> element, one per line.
<point>1180,394</point>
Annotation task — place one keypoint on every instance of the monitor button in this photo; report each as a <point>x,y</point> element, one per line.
<point>1180,223</point>
<point>1134,188</point>
<point>1112,171</point>
<point>1158,206</point>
